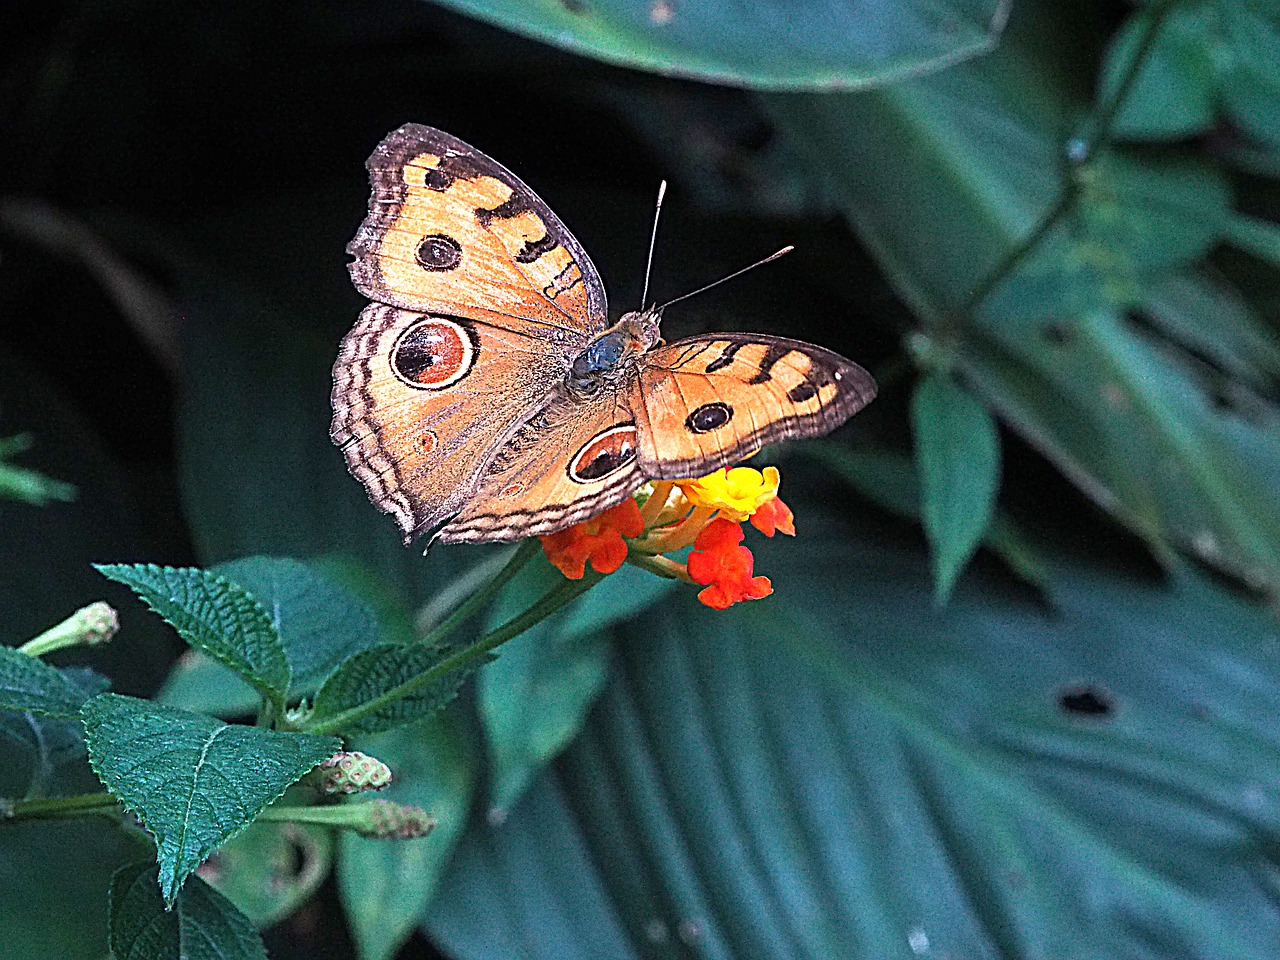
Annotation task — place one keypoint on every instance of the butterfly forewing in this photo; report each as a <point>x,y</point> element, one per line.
<point>708,401</point>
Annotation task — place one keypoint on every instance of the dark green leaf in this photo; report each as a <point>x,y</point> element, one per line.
<point>271,869</point>
<point>201,925</point>
<point>30,684</point>
<point>45,756</point>
<point>385,883</point>
<point>1132,418</point>
<point>193,781</point>
<point>534,696</point>
<point>201,684</point>
<point>958,450</point>
<point>1005,778</point>
<point>319,622</point>
<point>764,43</point>
<point>375,672</point>
<point>215,616</point>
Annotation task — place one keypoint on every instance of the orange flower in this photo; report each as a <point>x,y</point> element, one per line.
<point>598,540</point>
<point>720,561</point>
<point>774,517</point>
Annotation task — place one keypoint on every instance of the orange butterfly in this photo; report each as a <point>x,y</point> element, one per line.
<point>486,396</point>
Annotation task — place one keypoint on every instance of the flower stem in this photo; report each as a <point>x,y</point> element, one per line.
<point>657,500</point>
<point>662,566</point>
<point>482,596</point>
<point>551,602</point>
<point>59,808</point>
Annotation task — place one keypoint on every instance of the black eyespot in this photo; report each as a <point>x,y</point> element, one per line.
<point>709,416</point>
<point>438,252</point>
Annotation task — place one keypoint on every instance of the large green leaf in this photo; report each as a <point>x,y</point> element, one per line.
<point>535,695</point>
<point>1003,778</point>
<point>1125,408</point>
<point>29,684</point>
<point>386,883</point>
<point>766,44</point>
<point>193,781</point>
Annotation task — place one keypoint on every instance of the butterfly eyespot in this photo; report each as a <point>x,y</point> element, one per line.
<point>426,442</point>
<point>511,490</point>
<point>433,353</point>
<point>708,417</point>
<point>438,253</point>
<point>604,454</point>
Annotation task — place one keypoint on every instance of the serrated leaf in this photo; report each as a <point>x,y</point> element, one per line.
<point>44,756</point>
<point>958,452</point>
<point>201,925</point>
<point>30,684</point>
<point>319,622</point>
<point>193,781</point>
<point>216,616</point>
<point>371,674</point>
<point>385,884</point>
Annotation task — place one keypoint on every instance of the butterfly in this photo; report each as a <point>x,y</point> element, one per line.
<point>485,395</point>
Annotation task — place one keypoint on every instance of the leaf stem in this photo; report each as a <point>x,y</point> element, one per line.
<point>473,603</point>
<point>1103,130</point>
<point>551,602</point>
<point>59,808</point>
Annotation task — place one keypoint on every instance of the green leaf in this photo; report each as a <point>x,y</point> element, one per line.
<point>204,685</point>
<point>386,883</point>
<point>958,450</point>
<point>271,869</point>
<point>30,684</point>
<point>534,697</point>
<point>201,925</point>
<point>1173,94</point>
<point>319,622</point>
<point>45,756</point>
<point>374,673</point>
<point>28,486</point>
<point>215,616</point>
<point>977,152</point>
<point>764,44</point>
<point>893,776</point>
<point>193,781</point>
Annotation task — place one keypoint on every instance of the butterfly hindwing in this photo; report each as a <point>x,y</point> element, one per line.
<point>573,459</point>
<point>421,402</point>
<point>451,230</point>
<point>709,401</point>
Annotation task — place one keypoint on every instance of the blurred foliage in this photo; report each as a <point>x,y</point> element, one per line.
<point>1072,237</point>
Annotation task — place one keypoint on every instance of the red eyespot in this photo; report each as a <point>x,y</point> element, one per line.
<point>433,353</point>
<point>604,454</point>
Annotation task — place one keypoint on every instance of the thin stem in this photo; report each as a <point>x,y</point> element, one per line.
<point>482,596</point>
<point>60,808</point>
<point>1104,129</point>
<point>652,508</point>
<point>550,603</point>
<point>662,566</point>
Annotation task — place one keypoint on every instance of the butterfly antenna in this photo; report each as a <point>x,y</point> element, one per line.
<point>653,238</point>
<point>736,273</point>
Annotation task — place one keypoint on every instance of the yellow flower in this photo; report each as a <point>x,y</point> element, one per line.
<point>737,493</point>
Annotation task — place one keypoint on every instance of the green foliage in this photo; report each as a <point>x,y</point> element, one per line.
<point>29,486</point>
<point>343,703</point>
<point>897,773</point>
<point>958,450</point>
<point>534,698</point>
<point>216,616</point>
<point>201,925</point>
<point>193,781</point>
<point>29,684</point>
<point>270,869</point>
<point>765,44</point>
<point>384,886</point>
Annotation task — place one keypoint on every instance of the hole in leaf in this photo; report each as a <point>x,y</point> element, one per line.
<point>1087,701</point>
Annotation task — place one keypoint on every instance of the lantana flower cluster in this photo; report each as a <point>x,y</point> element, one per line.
<point>668,516</point>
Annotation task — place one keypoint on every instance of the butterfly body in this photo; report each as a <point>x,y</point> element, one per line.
<point>484,395</point>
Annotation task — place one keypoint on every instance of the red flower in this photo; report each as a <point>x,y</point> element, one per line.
<point>598,540</point>
<point>719,561</point>
<point>774,516</point>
